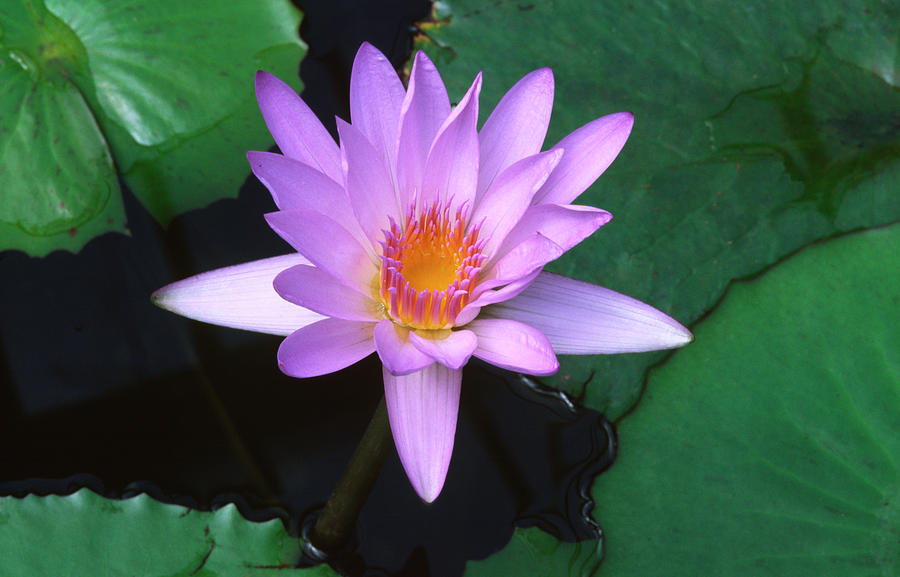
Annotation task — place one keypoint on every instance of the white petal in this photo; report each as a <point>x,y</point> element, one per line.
<point>240,296</point>
<point>584,319</point>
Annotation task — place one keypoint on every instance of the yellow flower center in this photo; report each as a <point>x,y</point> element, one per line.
<point>429,267</point>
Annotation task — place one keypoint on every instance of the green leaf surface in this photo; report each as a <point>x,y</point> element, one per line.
<point>161,92</point>
<point>536,554</point>
<point>759,129</point>
<point>85,535</point>
<point>771,446</point>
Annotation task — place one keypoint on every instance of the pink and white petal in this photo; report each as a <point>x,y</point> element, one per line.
<point>397,353</point>
<point>369,187</point>
<point>565,225</point>
<point>484,296</point>
<point>589,152</point>
<point>453,349</point>
<point>580,318</point>
<point>376,97</point>
<point>295,128</point>
<point>239,296</point>
<point>316,290</point>
<point>517,126</point>
<point>526,257</point>
<point>422,409</point>
<point>510,195</point>
<point>325,347</point>
<point>328,246</point>
<point>295,185</point>
<point>451,171</point>
<point>424,110</point>
<point>514,346</point>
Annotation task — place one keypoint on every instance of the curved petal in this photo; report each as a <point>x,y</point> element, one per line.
<point>369,187</point>
<point>517,126</point>
<point>584,319</point>
<point>526,257</point>
<point>296,130</point>
<point>453,349</point>
<point>297,186</point>
<point>589,152</point>
<point>451,171</point>
<point>565,225</point>
<point>508,198</point>
<point>239,296</point>
<point>424,110</point>
<point>316,290</point>
<point>398,355</point>
<point>325,347</point>
<point>376,97</point>
<point>422,408</point>
<point>485,297</point>
<point>328,246</point>
<point>514,346</point>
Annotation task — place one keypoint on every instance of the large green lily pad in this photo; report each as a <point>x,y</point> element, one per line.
<point>771,446</point>
<point>759,129</point>
<point>159,93</point>
<point>85,535</point>
<point>768,447</point>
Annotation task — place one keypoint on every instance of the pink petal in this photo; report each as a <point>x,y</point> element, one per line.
<point>239,296</point>
<point>517,126</point>
<point>514,346</point>
<point>296,186</point>
<point>422,408</point>
<point>376,96</point>
<point>588,153</point>
<point>526,257</point>
<point>369,187</point>
<point>510,195</point>
<point>584,319</point>
<point>318,291</point>
<point>451,171</point>
<point>325,347</point>
<point>565,225</point>
<point>398,355</point>
<point>328,246</point>
<point>484,297</point>
<point>424,110</point>
<point>453,349</point>
<point>296,130</point>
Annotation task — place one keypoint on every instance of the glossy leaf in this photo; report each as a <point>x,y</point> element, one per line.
<point>161,92</point>
<point>771,446</point>
<point>757,131</point>
<point>85,535</point>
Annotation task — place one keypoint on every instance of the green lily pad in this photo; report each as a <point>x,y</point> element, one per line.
<point>757,131</point>
<point>536,554</point>
<point>159,93</point>
<point>771,446</point>
<point>85,535</point>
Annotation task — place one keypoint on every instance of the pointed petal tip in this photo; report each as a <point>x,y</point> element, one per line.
<point>422,410</point>
<point>429,493</point>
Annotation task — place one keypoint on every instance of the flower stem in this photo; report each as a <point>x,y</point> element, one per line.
<point>335,525</point>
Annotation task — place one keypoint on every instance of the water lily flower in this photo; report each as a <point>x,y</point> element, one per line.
<point>423,239</point>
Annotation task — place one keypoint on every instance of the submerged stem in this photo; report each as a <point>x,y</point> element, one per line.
<point>338,519</point>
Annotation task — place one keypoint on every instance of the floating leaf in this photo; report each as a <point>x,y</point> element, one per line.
<point>85,535</point>
<point>757,131</point>
<point>771,446</point>
<point>161,91</point>
<point>536,554</point>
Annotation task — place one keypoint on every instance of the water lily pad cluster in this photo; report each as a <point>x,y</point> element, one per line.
<point>153,93</point>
